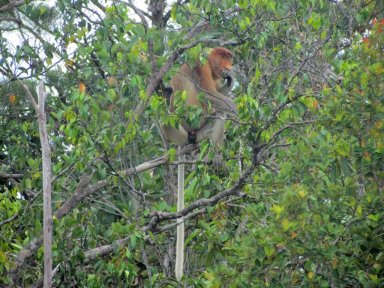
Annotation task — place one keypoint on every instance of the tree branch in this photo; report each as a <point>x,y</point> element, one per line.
<point>104,250</point>
<point>11,5</point>
<point>30,96</point>
<point>157,217</point>
<point>47,187</point>
<point>8,175</point>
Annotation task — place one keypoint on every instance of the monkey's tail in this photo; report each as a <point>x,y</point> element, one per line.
<point>180,228</point>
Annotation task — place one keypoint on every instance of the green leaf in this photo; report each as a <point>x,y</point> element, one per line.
<point>269,250</point>
<point>374,217</point>
<point>172,153</point>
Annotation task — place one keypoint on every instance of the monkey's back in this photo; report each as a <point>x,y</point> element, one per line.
<point>184,81</point>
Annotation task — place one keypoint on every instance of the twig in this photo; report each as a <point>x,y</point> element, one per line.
<point>11,5</point>
<point>8,175</point>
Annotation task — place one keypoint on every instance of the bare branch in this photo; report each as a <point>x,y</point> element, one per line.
<point>11,5</point>
<point>30,96</point>
<point>47,187</point>
<point>156,162</point>
<point>157,217</point>
<point>104,250</point>
<point>11,19</point>
<point>7,175</point>
<point>288,126</point>
<point>168,14</point>
<point>204,24</point>
<point>318,48</point>
<point>138,12</point>
<point>10,219</point>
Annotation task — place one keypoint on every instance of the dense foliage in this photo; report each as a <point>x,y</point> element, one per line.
<point>301,202</point>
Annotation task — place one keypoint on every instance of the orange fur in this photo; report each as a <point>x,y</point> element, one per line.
<point>206,78</point>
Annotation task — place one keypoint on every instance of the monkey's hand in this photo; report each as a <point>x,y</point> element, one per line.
<point>229,76</point>
<point>229,80</point>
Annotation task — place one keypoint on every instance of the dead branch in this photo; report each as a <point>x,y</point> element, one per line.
<point>47,186</point>
<point>157,217</point>
<point>8,175</point>
<point>13,4</point>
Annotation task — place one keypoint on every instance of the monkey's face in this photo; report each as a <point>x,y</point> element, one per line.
<point>221,67</point>
<point>220,60</point>
<point>226,64</point>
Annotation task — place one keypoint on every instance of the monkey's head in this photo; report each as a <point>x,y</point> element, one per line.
<point>220,60</point>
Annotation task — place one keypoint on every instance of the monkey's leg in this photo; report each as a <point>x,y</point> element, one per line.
<point>178,136</point>
<point>180,228</point>
<point>214,130</point>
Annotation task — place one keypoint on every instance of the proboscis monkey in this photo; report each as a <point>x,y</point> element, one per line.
<point>215,80</point>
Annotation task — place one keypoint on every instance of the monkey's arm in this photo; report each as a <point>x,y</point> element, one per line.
<point>222,103</point>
